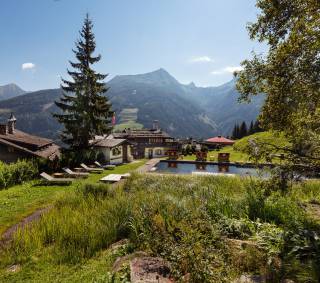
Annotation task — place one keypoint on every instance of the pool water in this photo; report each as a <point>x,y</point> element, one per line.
<point>189,167</point>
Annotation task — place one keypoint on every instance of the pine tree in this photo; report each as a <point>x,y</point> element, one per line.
<point>235,132</point>
<point>251,129</point>
<point>86,112</point>
<point>257,127</point>
<point>243,130</point>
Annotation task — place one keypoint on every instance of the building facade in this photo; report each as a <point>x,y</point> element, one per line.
<point>148,143</point>
<point>114,151</point>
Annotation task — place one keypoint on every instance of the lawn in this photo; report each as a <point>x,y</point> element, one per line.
<point>238,152</point>
<point>235,156</point>
<point>213,228</point>
<point>20,201</point>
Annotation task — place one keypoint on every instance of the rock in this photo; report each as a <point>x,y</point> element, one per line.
<point>241,244</point>
<point>251,279</point>
<point>120,261</point>
<point>149,270</point>
<point>115,246</point>
<point>14,268</point>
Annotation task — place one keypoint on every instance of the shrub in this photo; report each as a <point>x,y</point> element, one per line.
<point>17,173</point>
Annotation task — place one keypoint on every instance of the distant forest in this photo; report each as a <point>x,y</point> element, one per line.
<point>242,130</point>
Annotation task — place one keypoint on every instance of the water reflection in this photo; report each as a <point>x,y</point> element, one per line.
<point>223,168</point>
<point>201,166</point>
<point>172,165</point>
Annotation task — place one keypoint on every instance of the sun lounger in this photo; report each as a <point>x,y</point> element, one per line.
<point>73,174</point>
<point>113,178</point>
<point>125,176</point>
<point>108,167</point>
<point>51,180</point>
<point>91,170</point>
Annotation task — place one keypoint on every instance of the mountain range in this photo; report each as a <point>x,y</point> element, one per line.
<point>182,110</point>
<point>9,91</point>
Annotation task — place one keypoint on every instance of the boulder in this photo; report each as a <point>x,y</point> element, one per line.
<point>149,270</point>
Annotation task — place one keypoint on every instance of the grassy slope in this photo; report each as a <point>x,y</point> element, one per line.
<point>235,156</point>
<point>19,201</point>
<point>127,125</point>
<point>158,207</point>
<point>238,150</point>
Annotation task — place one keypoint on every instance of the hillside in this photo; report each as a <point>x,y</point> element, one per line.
<point>33,112</point>
<point>182,110</point>
<point>9,91</point>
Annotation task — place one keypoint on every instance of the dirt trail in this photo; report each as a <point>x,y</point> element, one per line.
<point>8,234</point>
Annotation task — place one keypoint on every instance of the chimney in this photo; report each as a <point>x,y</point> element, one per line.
<point>155,125</point>
<point>11,123</point>
<point>3,129</point>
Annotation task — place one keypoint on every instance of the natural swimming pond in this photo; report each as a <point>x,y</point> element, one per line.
<point>176,167</point>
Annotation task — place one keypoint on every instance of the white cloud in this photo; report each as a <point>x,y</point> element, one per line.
<point>227,70</point>
<point>28,66</point>
<point>201,59</point>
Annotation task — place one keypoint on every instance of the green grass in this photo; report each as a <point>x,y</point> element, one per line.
<point>20,201</point>
<point>239,151</point>
<point>127,125</point>
<point>235,156</point>
<point>190,221</point>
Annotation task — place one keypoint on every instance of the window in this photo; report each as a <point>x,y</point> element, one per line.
<point>158,152</point>
<point>116,150</point>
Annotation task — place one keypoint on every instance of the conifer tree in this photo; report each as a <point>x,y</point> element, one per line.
<point>86,112</point>
<point>235,132</point>
<point>243,130</point>
<point>257,127</point>
<point>251,129</point>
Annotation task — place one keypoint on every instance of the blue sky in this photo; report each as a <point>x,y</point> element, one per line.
<point>195,40</point>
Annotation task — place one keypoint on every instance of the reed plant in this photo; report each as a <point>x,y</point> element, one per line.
<point>189,221</point>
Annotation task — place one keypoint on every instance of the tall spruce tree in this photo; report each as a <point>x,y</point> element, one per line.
<point>86,112</point>
<point>251,128</point>
<point>243,130</point>
<point>235,132</point>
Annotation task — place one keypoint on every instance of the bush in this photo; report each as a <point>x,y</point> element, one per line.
<point>17,173</point>
<point>71,158</point>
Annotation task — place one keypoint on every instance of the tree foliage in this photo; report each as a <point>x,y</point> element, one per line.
<point>288,74</point>
<point>86,112</point>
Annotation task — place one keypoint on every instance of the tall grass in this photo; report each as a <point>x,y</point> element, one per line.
<point>16,173</point>
<point>189,221</point>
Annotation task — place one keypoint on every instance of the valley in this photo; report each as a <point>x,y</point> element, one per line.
<point>182,110</point>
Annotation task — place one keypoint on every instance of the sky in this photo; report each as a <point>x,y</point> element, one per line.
<point>200,41</point>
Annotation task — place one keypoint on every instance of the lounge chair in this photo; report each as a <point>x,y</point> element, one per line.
<point>51,180</point>
<point>91,170</point>
<point>113,178</point>
<point>108,166</point>
<point>73,174</point>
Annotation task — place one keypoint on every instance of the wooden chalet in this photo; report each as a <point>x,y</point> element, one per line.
<point>148,143</point>
<point>115,151</point>
<point>15,144</point>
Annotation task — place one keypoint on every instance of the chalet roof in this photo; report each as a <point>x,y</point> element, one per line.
<point>220,140</point>
<point>27,139</point>
<point>142,133</point>
<point>12,118</point>
<point>107,142</point>
<point>50,152</point>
